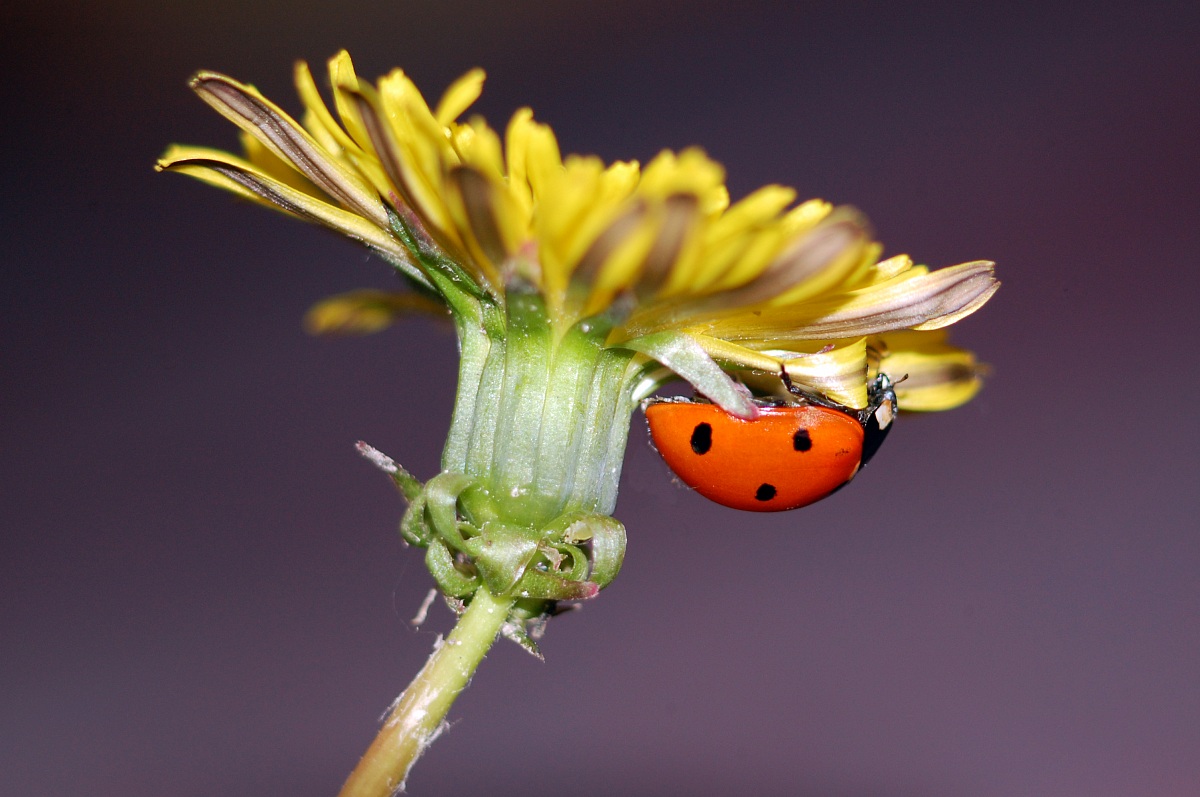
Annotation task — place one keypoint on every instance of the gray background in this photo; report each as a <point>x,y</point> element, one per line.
<point>201,588</point>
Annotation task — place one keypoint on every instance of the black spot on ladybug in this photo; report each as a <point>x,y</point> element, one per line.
<point>765,492</point>
<point>702,438</point>
<point>801,441</point>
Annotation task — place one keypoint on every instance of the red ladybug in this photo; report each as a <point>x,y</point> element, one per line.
<point>786,458</point>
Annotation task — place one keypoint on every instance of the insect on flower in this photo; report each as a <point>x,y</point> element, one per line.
<point>789,456</point>
<point>577,288</point>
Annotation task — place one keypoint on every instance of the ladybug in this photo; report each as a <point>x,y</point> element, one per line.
<point>788,457</point>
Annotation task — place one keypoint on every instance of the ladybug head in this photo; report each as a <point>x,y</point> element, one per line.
<point>878,416</point>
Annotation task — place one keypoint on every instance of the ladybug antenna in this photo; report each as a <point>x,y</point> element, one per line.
<point>787,380</point>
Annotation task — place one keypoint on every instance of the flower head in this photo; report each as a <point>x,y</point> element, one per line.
<point>577,288</point>
<point>657,256</point>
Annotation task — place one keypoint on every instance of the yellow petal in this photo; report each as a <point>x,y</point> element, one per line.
<point>913,300</point>
<point>836,370</point>
<point>231,173</point>
<point>461,94</point>
<point>252,112</point>
<point>728,237</point>
<point>366,311</point>
<point>516,145</point>
<point>342,77</point>
<point>484,212</point>
<point>306,87</point>
<point>543,161</point>
<point>930,374</point>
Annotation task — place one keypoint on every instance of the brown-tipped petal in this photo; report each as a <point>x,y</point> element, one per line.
<point>418,197</point>
<point>609,241</point>
<point>381,142</point>
<point>820,259</point>
<point>479,207</point>
<point>934,386</point>
<point>253,113</point>
<point>680,213</point>
<point>922,301</point>
<point>232,173</point>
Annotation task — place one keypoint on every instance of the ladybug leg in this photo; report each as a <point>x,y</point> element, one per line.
<point>877,418</point>
<point>882,406</point>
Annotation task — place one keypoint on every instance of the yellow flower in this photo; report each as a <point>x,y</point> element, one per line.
<point>680,275</point>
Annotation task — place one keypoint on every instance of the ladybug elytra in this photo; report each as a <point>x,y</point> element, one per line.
<point>788,457</point>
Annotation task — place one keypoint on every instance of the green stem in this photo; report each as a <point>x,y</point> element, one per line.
<point>528,482</point>
<point>417,716</point>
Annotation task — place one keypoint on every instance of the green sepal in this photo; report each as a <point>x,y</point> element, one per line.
<point>544,586</point>
<point>441,507</point>
<point>450,580</point>
<point>607,537</point>
<point>515,633</point>
<point>579,560</point>
<point>502,553</point>
<point>434,262</point>
<point>413,527</point>
<point>409,485</point>
<point>608,549</point>
<point>681,353</point>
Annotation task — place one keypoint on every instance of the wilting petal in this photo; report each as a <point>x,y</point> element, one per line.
<point>910,301</point>
<point>252,112</point>
<point>685,356</point>
<point>424,193</point>
<point>366,311</point>
<point>822,258</point>
<point>728,238</point>
<point>232,173</point>
<point>484,211</point>
<point>674,241</point>
<point>764,242</point>
<point>615,257</point>
<point>274,166</point>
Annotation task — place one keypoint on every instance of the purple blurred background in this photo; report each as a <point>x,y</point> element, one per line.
<point>201,588</point>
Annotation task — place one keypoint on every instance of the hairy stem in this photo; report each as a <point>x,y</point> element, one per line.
<point>417,716</point>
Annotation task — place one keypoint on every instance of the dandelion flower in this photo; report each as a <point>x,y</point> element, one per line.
<point>577,288</point>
